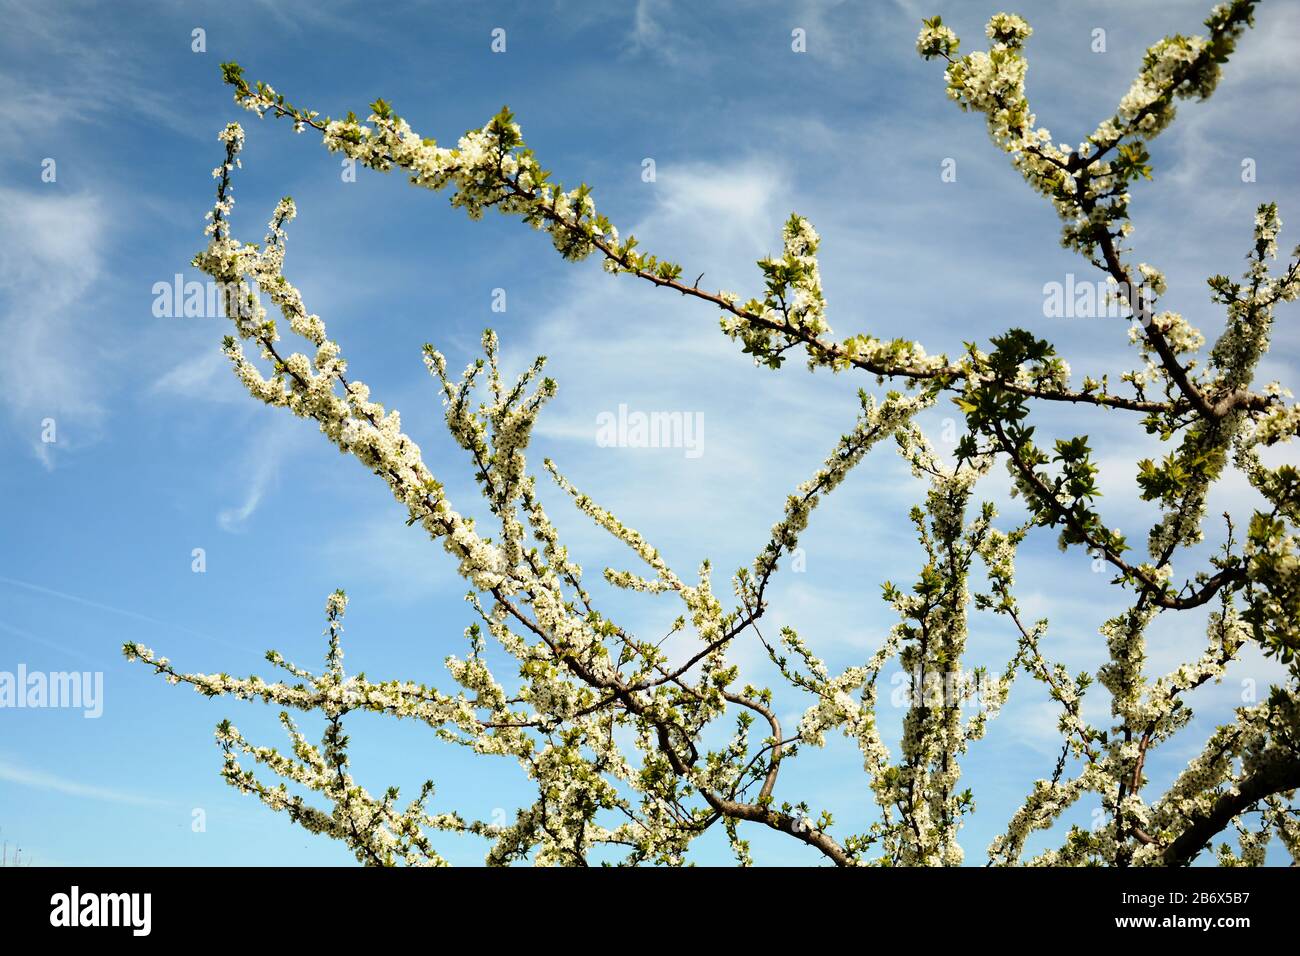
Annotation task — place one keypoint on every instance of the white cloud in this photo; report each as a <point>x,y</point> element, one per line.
<point>40,780</point>
<point>49,263</point>
<point>401,563</point>
<point>205,376</point>
<point>732,211</point>
<point>650,37</point>
<point>259,470</point>
<point>647,34</point>
<point>95,80</point>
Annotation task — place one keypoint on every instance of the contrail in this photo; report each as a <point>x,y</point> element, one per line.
<point>64,596</point>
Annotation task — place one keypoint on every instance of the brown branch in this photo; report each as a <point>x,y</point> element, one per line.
<point>1278,775</point>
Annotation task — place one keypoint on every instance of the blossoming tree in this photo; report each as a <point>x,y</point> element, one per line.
<point>622,739</point>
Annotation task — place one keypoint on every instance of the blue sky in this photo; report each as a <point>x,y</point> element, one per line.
<point>159,451</point>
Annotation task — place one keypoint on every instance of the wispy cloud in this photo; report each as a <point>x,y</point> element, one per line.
<point>261,469</point>
<point>96,80</point>
<point>650,36</point>
<point>48,592</point>
<point>27,637</point>
<point>49,262</point>
<point>233,519</point>
<point>205,377</point>
<point>41,780</point>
